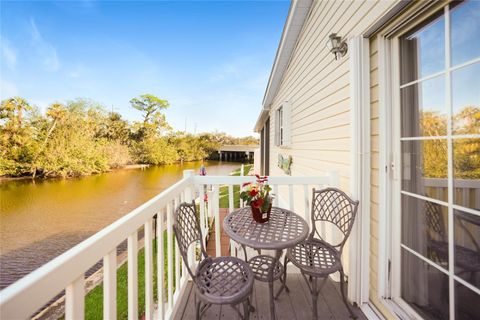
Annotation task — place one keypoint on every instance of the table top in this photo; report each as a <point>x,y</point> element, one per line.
<point>284,229</point>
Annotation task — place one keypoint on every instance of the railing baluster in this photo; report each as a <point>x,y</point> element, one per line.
<point>148,270</point>
<point>75,299</point>
<point>216,209</point>
<point>242,204</point>
<point>231,207</point>
<point>177,256</point>
<point>170,254</point>
<point>210,206</point>
<point>230,198</point>
<point>203,224</point>
<point>160,266</point>
<point>188,197</point>
<point>110,285</point>
<point>132,276</point>
<point>307,204</point>
<point>275,192</point>
<point>290,196</point>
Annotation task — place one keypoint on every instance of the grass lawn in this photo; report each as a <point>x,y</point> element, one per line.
<point>94,299</point>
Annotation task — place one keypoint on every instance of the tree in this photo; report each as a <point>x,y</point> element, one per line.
<point>17,144</point>
<point>149,105</point>
<point>154,122</point>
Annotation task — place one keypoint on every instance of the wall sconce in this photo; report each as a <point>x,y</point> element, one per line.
<point>337,46</point>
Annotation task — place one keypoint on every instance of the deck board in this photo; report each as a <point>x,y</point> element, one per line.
<point>293,305</point>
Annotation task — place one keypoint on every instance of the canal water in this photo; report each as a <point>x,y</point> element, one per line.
<point>40,219</point>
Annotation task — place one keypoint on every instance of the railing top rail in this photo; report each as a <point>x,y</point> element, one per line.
<point>27,295</point>
<point>328,179</point>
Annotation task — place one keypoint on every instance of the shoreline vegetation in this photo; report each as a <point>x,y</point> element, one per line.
<point>80,138</point>
<point>126,167</point>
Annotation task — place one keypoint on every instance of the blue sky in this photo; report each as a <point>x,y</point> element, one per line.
<point>211,60</point>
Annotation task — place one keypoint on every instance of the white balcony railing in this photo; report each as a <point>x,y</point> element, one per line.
<point>26,296</point>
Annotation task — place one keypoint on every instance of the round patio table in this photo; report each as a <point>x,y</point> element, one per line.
<point>285,229</point>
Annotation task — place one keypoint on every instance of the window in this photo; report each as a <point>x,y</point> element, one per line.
<point>279,126</point>
<point>440,179</point>
<point>282,125</point>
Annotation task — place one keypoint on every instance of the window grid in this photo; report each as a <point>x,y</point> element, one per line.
<point>450,138</point>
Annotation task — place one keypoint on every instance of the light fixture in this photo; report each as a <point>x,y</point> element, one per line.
<point>337,46</point>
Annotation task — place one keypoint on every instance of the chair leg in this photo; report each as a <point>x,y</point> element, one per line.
<point>314,292</point>
<point>197,312</point>
<point>250,299</point>
<point>285,262</point>
<point>246,309</point>
<point>342,290</point>
<point>283,279</point>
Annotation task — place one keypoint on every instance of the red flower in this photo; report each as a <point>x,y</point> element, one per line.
<point>246,184</point>
<point>253,192</point>
<point>257,203</point>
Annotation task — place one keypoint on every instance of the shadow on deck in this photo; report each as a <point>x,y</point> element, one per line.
<point>294,305</point>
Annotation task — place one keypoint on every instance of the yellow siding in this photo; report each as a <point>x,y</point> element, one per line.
<point>318,89</point>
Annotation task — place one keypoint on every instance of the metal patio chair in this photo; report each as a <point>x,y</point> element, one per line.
<point>221,280</point>
<point>317,258</point>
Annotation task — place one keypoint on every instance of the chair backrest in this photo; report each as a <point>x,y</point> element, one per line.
<point>334,206</point>
<point>186,227</point>
<point>435,221</point>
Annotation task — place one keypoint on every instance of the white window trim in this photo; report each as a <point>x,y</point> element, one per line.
<point>388,163</point>
<point>359,248</point>
<point>283,127</point>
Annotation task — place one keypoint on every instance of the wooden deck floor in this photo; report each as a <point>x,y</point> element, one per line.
<point>294,305</point>
<point>224,238</point>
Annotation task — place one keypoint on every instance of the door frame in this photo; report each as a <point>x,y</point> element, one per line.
<point>389,276</point>
<point>359,248</point>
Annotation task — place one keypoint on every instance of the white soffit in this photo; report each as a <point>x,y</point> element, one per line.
<point>296,17</point>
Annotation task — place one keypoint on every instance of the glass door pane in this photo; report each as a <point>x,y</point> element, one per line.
<point>440,164</point>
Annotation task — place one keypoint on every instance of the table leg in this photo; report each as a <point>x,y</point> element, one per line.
<point>271,272</point>
<point>283,279</point>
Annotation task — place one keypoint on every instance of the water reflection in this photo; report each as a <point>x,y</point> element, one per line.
<point>54,215</point>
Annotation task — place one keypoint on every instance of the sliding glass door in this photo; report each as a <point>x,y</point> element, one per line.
<point>439,142</point>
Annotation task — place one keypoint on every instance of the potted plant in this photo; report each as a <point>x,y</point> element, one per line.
<point>258,196</point>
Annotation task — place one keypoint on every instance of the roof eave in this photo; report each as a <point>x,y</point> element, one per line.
<point>297,15</point>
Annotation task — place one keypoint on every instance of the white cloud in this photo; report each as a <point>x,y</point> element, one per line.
<point>8,89</point>
<point>9,55</point>
<point>46,51</point>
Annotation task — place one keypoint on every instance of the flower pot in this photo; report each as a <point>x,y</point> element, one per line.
<point>259,216</point>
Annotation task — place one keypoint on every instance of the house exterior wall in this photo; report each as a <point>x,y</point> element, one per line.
<point>317,88</point>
